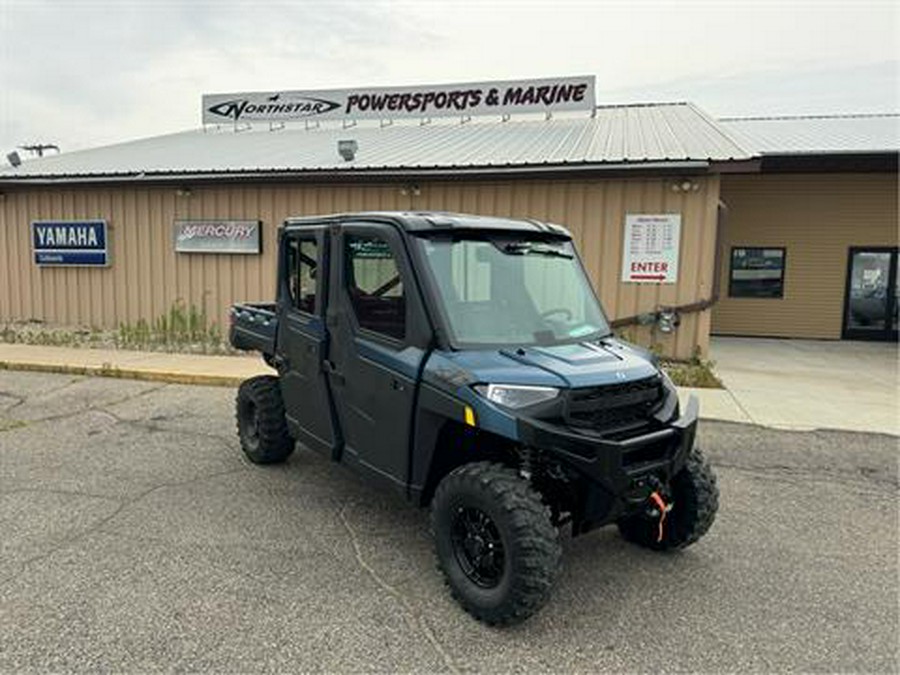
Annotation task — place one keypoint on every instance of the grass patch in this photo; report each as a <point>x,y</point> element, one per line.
<point>9,425</point>
<point>695,372</point>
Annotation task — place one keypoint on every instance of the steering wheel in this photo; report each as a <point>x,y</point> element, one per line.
<point>558,310</point>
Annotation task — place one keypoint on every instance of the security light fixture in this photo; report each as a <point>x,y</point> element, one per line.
<point>347,149</point>
<point>184,191</point>
<point>685,185</point>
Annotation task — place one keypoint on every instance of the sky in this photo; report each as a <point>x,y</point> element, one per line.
<point>81,73</point>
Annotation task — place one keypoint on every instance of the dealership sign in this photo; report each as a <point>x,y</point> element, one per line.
<point>651,248</point>
<point>217,236</point>
<point>446,100</point>
<point>70,242</point>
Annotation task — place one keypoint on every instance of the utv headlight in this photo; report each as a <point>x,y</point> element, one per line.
<point>516,395</point>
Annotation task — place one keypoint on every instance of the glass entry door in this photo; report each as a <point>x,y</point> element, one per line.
<point>870,304</point>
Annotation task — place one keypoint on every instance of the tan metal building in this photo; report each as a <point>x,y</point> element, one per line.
<point>825,198</point>
<point>587,173</point>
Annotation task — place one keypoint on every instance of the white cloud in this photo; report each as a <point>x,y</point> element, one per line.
<point>86,73</point>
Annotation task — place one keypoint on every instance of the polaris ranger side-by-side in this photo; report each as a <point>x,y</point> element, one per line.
<point>465,362</point>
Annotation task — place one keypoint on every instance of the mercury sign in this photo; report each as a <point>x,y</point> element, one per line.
<point>651,248</point>
<point>217,236</point>
<point>379,103</point>
<point>70,242</point>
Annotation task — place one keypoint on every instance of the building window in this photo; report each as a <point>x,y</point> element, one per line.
<point>756,272</point>
<point>302,262</point>
<point>375,286</point>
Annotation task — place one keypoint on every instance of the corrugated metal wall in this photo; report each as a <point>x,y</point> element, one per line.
<point>817,218</point>
<point>147,276</point>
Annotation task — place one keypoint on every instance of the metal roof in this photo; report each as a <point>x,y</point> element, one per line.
<point>616,135</point>
<point>820,134</point>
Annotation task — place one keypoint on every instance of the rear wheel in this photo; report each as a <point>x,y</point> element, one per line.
<point>495,543</point>
<point>262,428</point>
<point>695,501</point>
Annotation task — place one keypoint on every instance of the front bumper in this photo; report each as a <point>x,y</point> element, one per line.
<point>616,465</point>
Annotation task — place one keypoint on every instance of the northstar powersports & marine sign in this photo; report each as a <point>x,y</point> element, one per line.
<point>479,98</point>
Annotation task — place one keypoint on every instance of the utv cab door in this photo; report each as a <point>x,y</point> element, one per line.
<point>377,326</point>
<point>302,338</point>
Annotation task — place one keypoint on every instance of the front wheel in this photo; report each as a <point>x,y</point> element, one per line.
<point>262,427</point>
<point>695,501</point>
<point>495,543</point>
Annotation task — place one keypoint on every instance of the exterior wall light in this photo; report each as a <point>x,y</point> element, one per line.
<point>184,192</point>
<point>347,149</point>
<point>685,185</point>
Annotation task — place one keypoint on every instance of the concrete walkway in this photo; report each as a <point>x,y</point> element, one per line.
<point>156,366</point>
<point>790,384</point>
<point>808,384</point>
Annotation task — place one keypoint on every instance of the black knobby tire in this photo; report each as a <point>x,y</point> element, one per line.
<point>695,501</point>
<point>262,428</point>
<point>516,521</point>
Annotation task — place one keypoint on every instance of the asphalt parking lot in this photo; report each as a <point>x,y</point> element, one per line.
<point>135,537</point>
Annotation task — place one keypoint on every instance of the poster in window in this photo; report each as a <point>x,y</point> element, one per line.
<point>757,272</point>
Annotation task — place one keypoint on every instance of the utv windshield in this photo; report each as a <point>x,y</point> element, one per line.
<point>512,291</point>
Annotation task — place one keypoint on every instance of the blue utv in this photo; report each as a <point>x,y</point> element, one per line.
<point>465,363</point>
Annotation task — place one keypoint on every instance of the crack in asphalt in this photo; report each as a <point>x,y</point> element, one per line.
<point>94,408</point>
<point>149,425</point>
<point>17,400</point>
<point>46,392</point>
<point>415,619</point>
<point>98,525</point>
<point>104,409</point>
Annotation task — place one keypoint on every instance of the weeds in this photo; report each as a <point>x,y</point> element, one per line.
<point>9,425</point>
<point>183,328</point>
<point>694,372</point>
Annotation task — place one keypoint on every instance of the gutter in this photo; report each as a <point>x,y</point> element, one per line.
<point>352,174</point>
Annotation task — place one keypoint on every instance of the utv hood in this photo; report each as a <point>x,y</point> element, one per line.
<point>582,364</point>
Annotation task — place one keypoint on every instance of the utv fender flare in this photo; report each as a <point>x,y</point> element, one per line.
<point>443,439</point>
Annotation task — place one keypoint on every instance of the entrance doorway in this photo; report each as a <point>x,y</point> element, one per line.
<point>870,301</point>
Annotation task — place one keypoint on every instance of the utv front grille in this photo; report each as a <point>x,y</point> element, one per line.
<point>614,408</point>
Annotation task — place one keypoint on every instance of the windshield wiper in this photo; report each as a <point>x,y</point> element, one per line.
<point>531,249</point>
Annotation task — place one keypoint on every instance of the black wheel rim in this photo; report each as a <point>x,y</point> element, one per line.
<point>250,424</point>
<point>478,546</point>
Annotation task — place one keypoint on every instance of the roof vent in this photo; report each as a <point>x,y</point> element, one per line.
<point>14,159</point>
<point>347,149</point>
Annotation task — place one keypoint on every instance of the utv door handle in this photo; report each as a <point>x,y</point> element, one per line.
<point>328,367</point>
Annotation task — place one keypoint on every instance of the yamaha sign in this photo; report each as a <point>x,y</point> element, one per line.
<point>447,100</point>
<point>81,243</point>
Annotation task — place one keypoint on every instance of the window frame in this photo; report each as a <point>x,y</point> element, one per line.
<point>298,238</point>
<point>347,261</point>
<point>731,270</point>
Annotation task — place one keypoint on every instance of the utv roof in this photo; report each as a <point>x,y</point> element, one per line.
<point>432,221</point>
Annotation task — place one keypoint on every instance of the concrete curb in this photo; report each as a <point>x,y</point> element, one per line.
<point>110,370</point>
